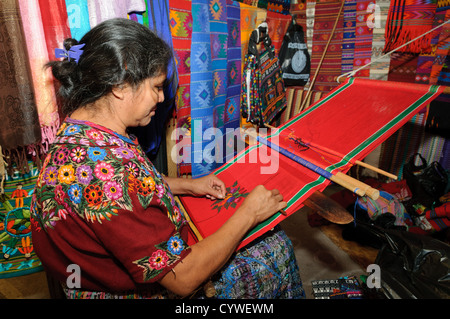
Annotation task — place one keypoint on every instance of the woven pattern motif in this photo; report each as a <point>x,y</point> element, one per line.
<point>264,270</point>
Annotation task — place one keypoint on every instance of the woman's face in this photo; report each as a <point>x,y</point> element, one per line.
<point>142,102</point>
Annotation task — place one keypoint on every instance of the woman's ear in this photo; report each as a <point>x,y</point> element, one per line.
<point>119,91</point>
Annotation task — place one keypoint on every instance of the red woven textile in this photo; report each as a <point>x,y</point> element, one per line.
<point>344,126</point>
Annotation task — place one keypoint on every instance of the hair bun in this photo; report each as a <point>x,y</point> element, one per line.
<point>65,71</point>
<point>69,42</point>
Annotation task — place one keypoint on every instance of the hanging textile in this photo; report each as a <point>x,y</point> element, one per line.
<point>251,17</point>
<point>280,6</point>
<point>219,49</point>
<point>334,132</point>
<point>18,112</point>
<point>101,10</point>
<point>181,29</point>
<point>278,24</point>
<point>363,39</point>
<point>250,2</point>
<point>234,79</point>
<point>78,17</point>
<point>442,49</point>
<point>408,20</point>
<point>54,19</point>
<point>17,257</point>
<point>425,60</point>
<point>42,79</point>
<point>325,17</point>
<point>379,69</point>
<point>402,67</point>
<point>202,94</point>
<point>348,42</point>
<point>211,68</point>
<point>151,136</point>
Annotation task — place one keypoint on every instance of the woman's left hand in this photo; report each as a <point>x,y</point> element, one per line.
<point>210,186</point>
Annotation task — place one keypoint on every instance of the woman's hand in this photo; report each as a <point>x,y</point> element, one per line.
<point>262,203</point>
<point>210,186</point>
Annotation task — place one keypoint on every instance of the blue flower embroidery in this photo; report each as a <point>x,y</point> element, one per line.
<point>75,193</point>
<point>96,153</point>
<point>71,130</point>
<point>175,245</point>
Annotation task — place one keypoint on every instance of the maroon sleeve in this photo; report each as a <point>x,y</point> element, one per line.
<point>145,241</point>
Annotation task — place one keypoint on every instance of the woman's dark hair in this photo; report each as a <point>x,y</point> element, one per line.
<point>116,52</point>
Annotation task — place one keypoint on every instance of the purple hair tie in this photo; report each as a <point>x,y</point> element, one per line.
<point>74,52</point>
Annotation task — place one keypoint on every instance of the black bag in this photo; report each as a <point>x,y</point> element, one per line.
<point>426,182</point>
<point>412,266</point>
<point>294,56</point>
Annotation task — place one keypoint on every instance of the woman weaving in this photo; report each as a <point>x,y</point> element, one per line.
<point>99,202</point>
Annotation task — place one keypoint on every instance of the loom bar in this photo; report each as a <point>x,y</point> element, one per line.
<point>346,183</point>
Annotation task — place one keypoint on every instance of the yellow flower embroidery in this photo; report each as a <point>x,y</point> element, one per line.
<point>149,182</point>
<point>66,174</point>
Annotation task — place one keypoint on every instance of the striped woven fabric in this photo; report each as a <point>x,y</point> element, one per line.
<point>325,17</point>
<point>363,39</point>
<point>407,20</point>
<point>379,69</point>
<point>348,42</point>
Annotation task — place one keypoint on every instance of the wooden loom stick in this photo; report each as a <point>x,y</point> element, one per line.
<point>347,182</point>
<point>357,162</point>
<point>323,56</point>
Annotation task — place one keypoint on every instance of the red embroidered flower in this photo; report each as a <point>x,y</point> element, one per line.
<point>146,186</point>
<point>93,194</point>
<point>158,259</point>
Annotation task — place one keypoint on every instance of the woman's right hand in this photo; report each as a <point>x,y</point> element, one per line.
<point>262,203</point>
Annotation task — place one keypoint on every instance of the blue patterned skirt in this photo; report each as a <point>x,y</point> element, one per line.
<point>264,269</point>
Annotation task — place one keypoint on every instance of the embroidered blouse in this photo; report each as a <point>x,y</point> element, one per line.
<point>100,203</point>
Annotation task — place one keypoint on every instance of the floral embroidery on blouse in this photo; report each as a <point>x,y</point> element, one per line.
<point>165,255</point>
<point>83,178</point>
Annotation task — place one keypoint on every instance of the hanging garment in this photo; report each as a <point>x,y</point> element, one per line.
<point>264,95</point>
<point>294,56</point>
